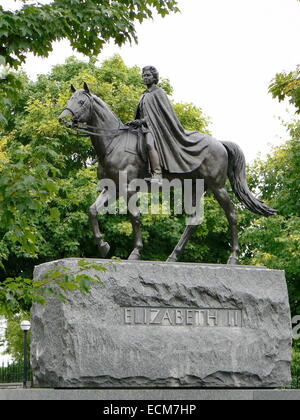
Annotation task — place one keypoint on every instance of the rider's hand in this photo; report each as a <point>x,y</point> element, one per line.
<point>135,123</point>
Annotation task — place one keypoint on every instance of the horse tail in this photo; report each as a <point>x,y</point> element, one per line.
<point>237,177</point>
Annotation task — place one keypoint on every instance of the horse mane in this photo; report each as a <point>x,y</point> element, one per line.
<point>99,101</point>
<point>102,104</point>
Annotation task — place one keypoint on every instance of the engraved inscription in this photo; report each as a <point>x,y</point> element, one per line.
<point>194,317</point>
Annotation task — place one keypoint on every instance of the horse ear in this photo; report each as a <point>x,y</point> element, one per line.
<point>86,88</point>
<point>73,89</point>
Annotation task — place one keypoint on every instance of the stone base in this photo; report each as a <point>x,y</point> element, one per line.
<point>147,395</point>
<point>156,324</point>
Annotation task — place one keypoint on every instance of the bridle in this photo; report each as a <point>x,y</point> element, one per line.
<point>83,131</point>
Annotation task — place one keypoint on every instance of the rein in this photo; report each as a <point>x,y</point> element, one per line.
<point>97,132</point>
<point>85,129</point>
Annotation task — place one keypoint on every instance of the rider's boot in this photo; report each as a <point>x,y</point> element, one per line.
<point>155,167</point>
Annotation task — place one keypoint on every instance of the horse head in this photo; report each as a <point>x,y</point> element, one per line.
<point>79,106</point>
<point>85,108</point>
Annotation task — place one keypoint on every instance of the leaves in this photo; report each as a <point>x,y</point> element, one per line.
<point>275,242</point>
<point>17,294</point>
<point>35,27</point>
<point>287,85</point>
<point>14,337</point>
<point>11,87</point>
<point>191,117</point>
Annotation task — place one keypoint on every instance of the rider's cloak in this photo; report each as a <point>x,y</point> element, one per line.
<point>179,150</point>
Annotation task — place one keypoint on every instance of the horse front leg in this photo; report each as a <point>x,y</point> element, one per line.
<point>93,211</point>
<point>134,216</point>
<point>185,237</point>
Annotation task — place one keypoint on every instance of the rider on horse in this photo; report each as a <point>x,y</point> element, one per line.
<point>169,146</point>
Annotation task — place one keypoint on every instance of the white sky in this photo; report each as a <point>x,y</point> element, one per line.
<point>220,55</point>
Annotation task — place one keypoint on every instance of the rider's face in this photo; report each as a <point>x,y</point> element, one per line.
<point>148,78</point>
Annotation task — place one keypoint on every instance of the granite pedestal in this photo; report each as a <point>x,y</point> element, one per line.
<point>160,325</point>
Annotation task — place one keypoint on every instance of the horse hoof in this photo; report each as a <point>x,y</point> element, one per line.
<point>135,255</point>
<point>104,249</point>
<point>233,261</point>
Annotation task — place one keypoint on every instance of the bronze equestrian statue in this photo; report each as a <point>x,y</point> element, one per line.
<point>173,153</point>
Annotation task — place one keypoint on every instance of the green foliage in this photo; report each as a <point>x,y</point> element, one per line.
<point>88,27</point>
<point>275,242</point>
<point>14,335</point>
<point>17,294</point>
<point>287,85</point>
<point>11,87</point>
<point>191,117</point>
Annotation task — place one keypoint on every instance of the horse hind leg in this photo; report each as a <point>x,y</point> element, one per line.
<point>95,208</point>
<point>223,199</point>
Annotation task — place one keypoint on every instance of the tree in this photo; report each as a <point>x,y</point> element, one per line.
<point>14,336</point>
<point>275,242</point>
<point>11,86</point>
<point>287,85</point>
<point>87,26</point>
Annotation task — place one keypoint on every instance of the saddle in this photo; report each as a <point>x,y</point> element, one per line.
<point>136,144</point>
<point>129,140</point>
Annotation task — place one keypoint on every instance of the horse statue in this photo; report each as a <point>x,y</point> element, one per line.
<point>116,146</point>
